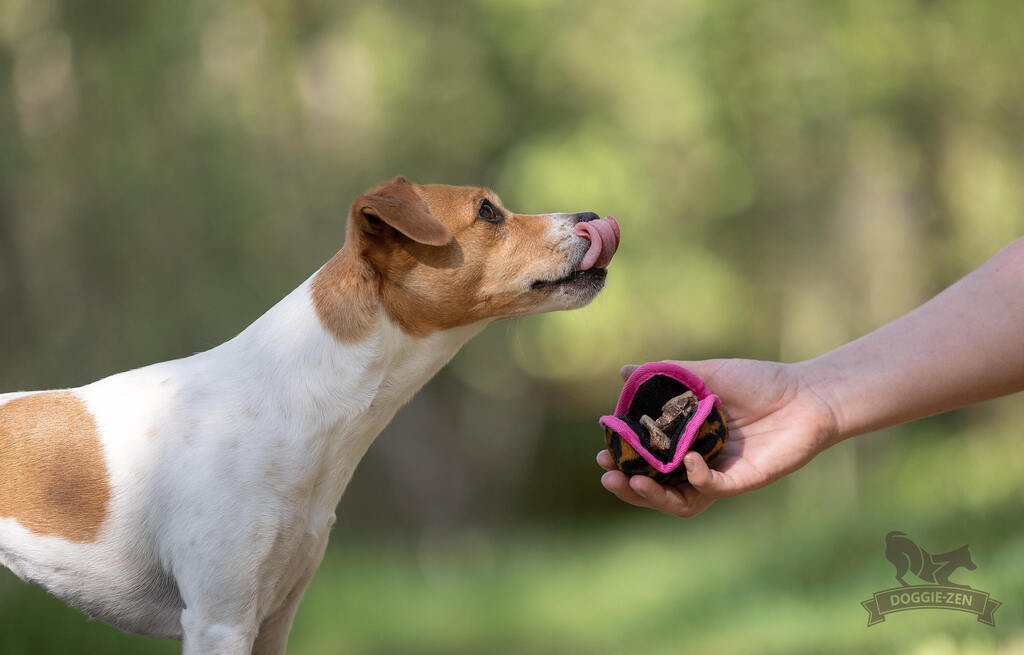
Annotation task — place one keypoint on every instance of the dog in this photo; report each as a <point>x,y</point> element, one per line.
<point>907,556</point>
<point>193,499</point>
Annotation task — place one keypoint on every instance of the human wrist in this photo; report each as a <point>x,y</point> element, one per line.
<point>818,389</point>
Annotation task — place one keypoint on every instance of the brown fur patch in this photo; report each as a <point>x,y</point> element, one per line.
<point>345,298</point>
<point>53,477</point>
<point>484,271</point>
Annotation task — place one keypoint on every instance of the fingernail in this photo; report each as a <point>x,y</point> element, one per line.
<point>635,490</point>
<point>688,463</point>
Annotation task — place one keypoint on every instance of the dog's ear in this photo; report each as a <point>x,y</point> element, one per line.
<point>397,204</point>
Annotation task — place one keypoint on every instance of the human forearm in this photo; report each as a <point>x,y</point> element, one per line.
<point>963,346</point>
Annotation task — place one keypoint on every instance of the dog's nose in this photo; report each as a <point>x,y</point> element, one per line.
<point>584,217</point>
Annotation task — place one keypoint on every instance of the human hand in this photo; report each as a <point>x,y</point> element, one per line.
<point>777,423</point>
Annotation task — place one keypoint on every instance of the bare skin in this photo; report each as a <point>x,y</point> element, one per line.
<point>963,346</point>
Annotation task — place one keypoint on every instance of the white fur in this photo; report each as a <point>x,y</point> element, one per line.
<point>225,470</point>
<point>225,463</point>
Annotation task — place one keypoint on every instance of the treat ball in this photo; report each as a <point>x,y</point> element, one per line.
<point>664,412</point>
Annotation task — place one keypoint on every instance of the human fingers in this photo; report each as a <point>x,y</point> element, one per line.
<point>605,460</point>
<point>617,483</point>
<point>684,501</point>
<point>707,481</point>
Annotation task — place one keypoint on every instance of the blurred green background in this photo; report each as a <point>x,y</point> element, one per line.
<point>788,176</point>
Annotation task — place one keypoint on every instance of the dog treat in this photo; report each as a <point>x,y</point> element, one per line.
<point>658,439</point>
<point>689,418</point>
<point>674,413</point>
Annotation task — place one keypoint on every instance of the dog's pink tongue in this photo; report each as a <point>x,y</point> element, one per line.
<point>604,241</point>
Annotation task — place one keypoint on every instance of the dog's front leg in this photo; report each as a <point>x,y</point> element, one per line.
<point>205,634</point>
<point>273,635</point>
<point>221,598</point>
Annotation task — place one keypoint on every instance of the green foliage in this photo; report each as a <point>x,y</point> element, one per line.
<point>787,175</point>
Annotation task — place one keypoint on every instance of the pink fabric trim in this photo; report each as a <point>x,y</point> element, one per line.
<point>705,401</point>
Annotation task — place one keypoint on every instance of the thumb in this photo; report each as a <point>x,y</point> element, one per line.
<point>707,481</point>
<point>627,370</point>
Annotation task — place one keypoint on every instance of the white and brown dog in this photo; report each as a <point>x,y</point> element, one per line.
<point>193,499</point>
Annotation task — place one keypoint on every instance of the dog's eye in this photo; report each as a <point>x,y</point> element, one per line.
<point>487,212</point>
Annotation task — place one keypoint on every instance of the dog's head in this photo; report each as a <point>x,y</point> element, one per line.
<point>437,257</point>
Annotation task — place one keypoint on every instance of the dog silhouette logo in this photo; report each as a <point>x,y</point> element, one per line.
<point>907,556</point>
<point>940,593</point>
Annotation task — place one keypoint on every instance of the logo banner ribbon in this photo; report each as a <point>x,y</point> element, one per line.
<point>900,599</point>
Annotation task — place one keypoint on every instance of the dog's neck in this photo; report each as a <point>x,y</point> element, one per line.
<point>333,398</point>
